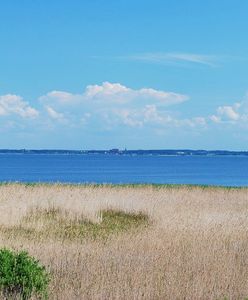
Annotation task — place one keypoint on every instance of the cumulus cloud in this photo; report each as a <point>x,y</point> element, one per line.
<point>235,114</point>
<point>122,94</point>
<point>105,106</point>
<point>151,115</point>
<point>116,93</point>
<point>54,114</point>
<point>13,104</point>
<point>114,103</point>
<point>106,89</point>
<point>115,107</point>
<point>61,97</point>
<point>228,113</point>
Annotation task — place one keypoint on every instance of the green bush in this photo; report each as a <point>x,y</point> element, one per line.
<point>21,275</point>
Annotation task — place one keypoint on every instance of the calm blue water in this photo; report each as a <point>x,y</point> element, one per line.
<point>221,170</point>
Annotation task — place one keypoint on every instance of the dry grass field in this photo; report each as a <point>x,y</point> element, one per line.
<point>132,242</point>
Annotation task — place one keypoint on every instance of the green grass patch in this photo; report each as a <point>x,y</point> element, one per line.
<point>125,185</point>
<point>41,224</point>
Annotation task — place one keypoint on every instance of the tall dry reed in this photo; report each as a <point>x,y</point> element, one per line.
<point>196,246</point>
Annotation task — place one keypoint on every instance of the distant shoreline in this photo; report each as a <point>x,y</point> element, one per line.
<point>163,152</point>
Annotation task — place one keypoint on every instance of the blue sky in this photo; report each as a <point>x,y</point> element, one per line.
<point>124,73</point>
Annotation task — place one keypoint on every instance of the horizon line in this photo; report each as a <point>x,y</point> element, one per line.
<point>120,149</point>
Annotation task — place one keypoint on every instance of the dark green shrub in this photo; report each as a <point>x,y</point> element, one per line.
<point>21,275</point>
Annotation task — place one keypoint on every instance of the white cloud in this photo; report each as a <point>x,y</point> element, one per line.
<point>174,58</point>
<point>235,114</point>
<point>166,98</point>
<point>228,113</point>
<point>105,106</point>
<point>215,119</point>
<point>107,89</point>
<point>110,104</point>
<point>108,92</point>
<point>127,117</point>
<point>13,104</point>
<point>60,97</point>
<point>150,115</point>
<point>54,114</point>
<point>115,93</point>
<point>122,94</point>
<point>199,121</point>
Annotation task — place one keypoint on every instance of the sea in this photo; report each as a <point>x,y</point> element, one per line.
<point>124,169</point>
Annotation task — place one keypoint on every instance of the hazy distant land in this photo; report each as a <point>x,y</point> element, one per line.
<point>172,152</point>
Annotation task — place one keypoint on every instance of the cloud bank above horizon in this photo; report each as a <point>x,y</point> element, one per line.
<point>113,106</point>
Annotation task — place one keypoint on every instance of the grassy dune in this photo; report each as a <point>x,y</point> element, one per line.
<point>132,242</point>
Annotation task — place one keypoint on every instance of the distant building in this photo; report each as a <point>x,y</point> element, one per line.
<point>114,151</point>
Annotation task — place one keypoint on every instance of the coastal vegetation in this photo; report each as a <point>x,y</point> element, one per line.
<point>131,242</point>
<point>21,276</point>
